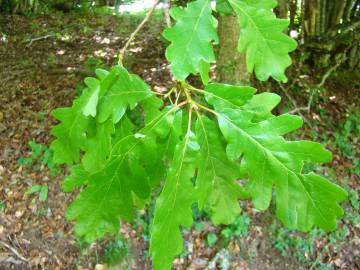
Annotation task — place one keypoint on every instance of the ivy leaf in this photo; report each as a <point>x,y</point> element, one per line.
<point>302,200</point>
<point>126,90</point>
<point>217,174</point>
<point>173,206</point>
<point>267,47</point>
<point>190,50</point>
<point>70,133</point>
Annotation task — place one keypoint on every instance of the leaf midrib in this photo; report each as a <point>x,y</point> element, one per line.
<point>254,25</point>
<point>122,157</point>
<point>196,25</point>
<point>269,152</point>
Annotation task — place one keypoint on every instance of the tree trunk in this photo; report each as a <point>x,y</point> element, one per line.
<point>282,9</point>
<point>323,16</point>
<point>293,10</point>
<point>347,10</point>
<point>355,10</point>
<point>231,65</point>
<point>340,11</point>
<point>336,11</point>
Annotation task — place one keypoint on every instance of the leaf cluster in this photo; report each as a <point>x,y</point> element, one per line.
<point>123,141</point>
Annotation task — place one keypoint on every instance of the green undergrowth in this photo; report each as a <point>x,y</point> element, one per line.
<point>311,249</point>
<point>40,157</point>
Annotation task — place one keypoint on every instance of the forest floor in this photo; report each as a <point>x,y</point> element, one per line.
<point>43,61</point>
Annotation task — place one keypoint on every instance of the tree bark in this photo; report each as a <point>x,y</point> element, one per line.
<point>347,10</point>
<point>355,11</point>
<point>293,10</point>
<point>310,14</point>
<point>335,11</point>
<point>282,9</point>
<point>231,65</point>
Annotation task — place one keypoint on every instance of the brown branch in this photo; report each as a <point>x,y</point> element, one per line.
<point>315,88</point>
<point>31,41</point>
<point>167,13</point>
<point>298,110</point>
<point>132,36</point>
<point>13,250</point>
<point>326,76</point>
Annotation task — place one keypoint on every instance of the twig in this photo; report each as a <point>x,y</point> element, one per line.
<point>132,36</point>
<point>326,76</point>
<point>288,96</point>
<point>315,88</point>
<point>167,13</point>
<point>13,250</point>
<point>298,110</point>
<point>39,38</point>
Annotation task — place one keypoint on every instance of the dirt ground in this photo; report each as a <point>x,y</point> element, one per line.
<point>38,75</point>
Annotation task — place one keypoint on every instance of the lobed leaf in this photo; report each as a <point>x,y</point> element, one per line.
<point>98,147</point>
<point>126,90</point>
<point>302,201</point>
<point>112,190</point>
<point>216,180</point>
<point>92,96</point>
<point>173,206</point>
<point>70,133</point>
<point>267,47</point>
<point>124,159</point>
<point>190,50</point>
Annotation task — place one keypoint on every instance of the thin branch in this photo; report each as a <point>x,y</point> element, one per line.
<point>167,13</point>
<point>296,109</point>
<point>326,76</point>
<point>13,250</point>
<point>132,36</point>
<point>299,110</point>
<point>38,38</point>
<point>316,87</point>
<point>288,96</point>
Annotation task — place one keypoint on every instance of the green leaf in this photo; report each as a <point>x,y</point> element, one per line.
<point>211,239</point>
<point>36,149</point>
<point>76,179</point>
<point>43,195</point>
<point>98,147</point>
<point>33,189</point>
<point>130,143</point>
<point>190,50</point>
<point>262,104</point>
<point>126,91</point>
<point>216,181</point>
<point>302,201</point>
<point>173,206</point>
<point>228,95</point>
<point>267,47</point>
<point>110,192</point>
<point>224,7</point>
<point>70,133</point>
<point>92,96</point>
<point>98,208</point>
